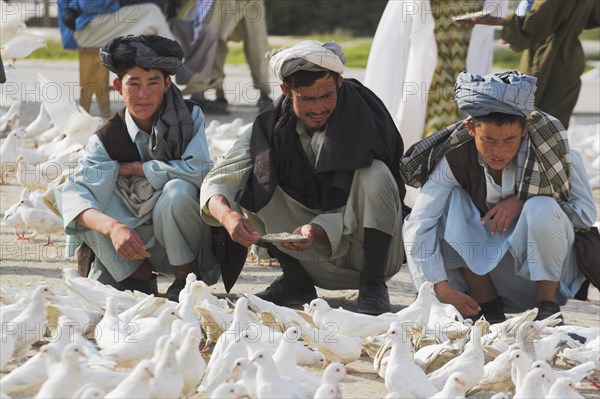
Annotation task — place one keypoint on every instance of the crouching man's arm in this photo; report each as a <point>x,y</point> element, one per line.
<point>126,241</point>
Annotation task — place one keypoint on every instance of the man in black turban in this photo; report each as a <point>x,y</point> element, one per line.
<point>134,201</point>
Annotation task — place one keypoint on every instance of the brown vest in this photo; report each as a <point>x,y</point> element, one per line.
<point>464,163</point>
<point>116,140</point>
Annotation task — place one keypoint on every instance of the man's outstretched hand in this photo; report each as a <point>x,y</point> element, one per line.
<point>239,228</point>
<point>467,306</point>
<point>310,231</point>
<point>128,243</point>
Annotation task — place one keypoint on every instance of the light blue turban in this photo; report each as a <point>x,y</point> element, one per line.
<point>506,92</point>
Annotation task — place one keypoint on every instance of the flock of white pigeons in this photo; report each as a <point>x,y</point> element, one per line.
<point>99,342</point>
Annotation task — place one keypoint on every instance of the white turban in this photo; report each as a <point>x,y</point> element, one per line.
<point>308,55</point>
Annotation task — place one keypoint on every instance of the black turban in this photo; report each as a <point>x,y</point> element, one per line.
<point>149,52</point>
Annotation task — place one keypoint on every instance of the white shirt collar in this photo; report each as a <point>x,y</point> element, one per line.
<point>132,128</point>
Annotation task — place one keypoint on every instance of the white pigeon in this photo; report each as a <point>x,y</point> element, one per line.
<point>215,321</point>
<point>42,221</point>
<point>527,332</point>
<point>470,363</point>
<point>10,295</point>
<point>78,129</point>
<point>282,314</point>
<point>191,363</point>
<point>575,374</point>
<point>136,384</point>
<point>140,344</point>
<point>344,321</point>
<point>111,328</point>
<point>10,311</point>
<point>10,119</point>
<point>168,377</point>
<point>563,388</point>
<point>336,347</point>
<point>41,175</point>
<point>14,219</point>
<point>11,15</point>
<point>7,347</point>
<point>21,46</point>
<point>309,357</point>
<point>40,124</point>
<point>402,374</point>
<point>269,384</point>
<point>334,373</point>
<point>547,347</point>
<point>89,391</point>
<point>67,331</point>
<point>8,155</point>
<point>218,367</point>
<point>67,377</point>
<point>327,391</point>
<point>30,325</point>
<point>29,376</point>
<point>496,375</point>
<point>245,373</point>
<point>93,292</point>
<point>60,108</point>
<point>189,279</point>
<point>229,391</point>
<point>240,322</point>
<point>81,317</point>
<point>106,377</point>
<point>286,359</point>
<point>520,364</point>
<point>47,136</point>
<point>259,254</point>
<point>418,311</point>
<point>455,387</point>
<point>533,385</point>
<point>149,306</point>
<point>582,354</point>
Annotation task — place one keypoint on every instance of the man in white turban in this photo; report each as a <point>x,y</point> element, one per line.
<point>501,195</point>
<point>321,163</point>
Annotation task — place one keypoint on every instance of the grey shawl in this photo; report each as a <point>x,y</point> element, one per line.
<point>173,127</point>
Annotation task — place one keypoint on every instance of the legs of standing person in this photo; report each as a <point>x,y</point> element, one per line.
<point>255,40</point>
<point>223,18</point>
<point>139,19</point>
<point>199,54</point>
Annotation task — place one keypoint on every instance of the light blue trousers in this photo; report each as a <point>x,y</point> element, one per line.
<point>175,236</point>
<point>538,246</point>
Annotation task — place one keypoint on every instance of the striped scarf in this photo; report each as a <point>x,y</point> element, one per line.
<point>543,158</point>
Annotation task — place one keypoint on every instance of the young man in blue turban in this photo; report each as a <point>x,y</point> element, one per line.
<point>502,193</point>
